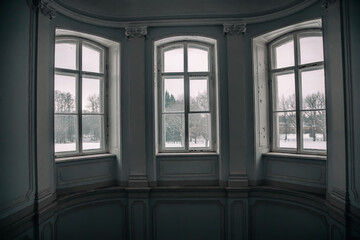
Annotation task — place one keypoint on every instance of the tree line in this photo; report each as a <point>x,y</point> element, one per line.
<point>314,121</point>
<point>66,125</point>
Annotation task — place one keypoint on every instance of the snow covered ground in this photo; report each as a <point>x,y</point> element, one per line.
<point>192,144</point>
<point>66,147</point>
<point>319,144</point>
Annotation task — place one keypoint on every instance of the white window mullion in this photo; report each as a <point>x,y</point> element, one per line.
<point>186,97</point>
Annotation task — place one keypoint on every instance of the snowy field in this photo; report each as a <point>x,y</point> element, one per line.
<point>308,141</point>
<point>198,144</point>
<point>66,147</point>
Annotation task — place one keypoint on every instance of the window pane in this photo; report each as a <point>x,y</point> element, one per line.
<point>173,94</point>
<point>65,133</point>
<point>314,130</point>
<point>91,95</point>
<point>199,95</point>
<point>91,59</point>
<point>285,130</point>
<point>284,55</point>
<point>65,94</point>
<point>284,92</point>
<point>174,59</point>
<point>313,89</point>
<point>311,49</point>
<point>65,55</point>
<point>92,133</point>
<point>174,130</point>
<point>198,59</point>
<point>200,130</point>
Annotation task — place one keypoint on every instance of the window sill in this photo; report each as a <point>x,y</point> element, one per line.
<point>295,156</point>
<point>190,154</point>
<point>84,157</point>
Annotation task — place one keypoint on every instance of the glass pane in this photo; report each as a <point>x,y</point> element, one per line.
<point>65,55</point>
<point>311,49</point>
<point>198,59</point>
<point>174,130</point>
<point>284,55</point>
<point>199,95</point>
<point>314,130</point>
<point>91,59</point>
<point>65,94</point>
<point>65,133</point>
<point>285,129</point>
<point>313,89</point>
<point>91,95</point>
<point>174,59</point>
<point>92,132</point>
<point>199,130</point>
<point>173,95</point>
<point>284,92</point>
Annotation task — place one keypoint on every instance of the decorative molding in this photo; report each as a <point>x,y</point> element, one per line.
<point>334,229</point>
<point>48,226</point>
<point>88,204</point>
<point>244,219</point>
<point>208,168</point>
<point>134,221</point>
<point>350,104</point>
<point>136,32</point>
<point>120,22</point>
<point>234,29</point>
<point>252,209</point>
<point>44,8</point>
<point>238,180</point>
<point>319,179</point>
<point>217,203</point>
<point>31,129</point>
<point>108,174</point>
<point>326,3</point>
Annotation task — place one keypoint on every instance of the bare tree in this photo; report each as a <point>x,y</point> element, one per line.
<point>94,103</point>
<point>315,119</point>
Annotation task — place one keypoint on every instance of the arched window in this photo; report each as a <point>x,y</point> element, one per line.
<point>79,97</point>
<point>186,97</point>
<point>297,83</point>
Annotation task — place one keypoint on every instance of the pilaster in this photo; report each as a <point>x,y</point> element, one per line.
<point>136,69</point>
<point>237,105</point>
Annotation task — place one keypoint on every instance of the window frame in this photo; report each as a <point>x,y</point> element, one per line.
<point>185,42</point>
<point>296,69</point>
<point>79,73</point>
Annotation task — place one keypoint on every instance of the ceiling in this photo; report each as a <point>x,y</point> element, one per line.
<point>150,10</point>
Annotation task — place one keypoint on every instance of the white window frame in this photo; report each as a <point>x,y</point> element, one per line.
<point>296,69</point>
<point>211,45</point>
<point>79,73</point>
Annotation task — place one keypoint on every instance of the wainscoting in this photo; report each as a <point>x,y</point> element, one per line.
<point>189,213</point>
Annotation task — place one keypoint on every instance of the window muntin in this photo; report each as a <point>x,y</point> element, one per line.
<point>186,97</point>
<point>298,111</point>
<point>79,97</point>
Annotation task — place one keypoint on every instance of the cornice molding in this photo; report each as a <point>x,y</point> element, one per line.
<point>175,21</point>
<point>44,8</point>
<point>135,32</point>
<point>326,3</point>
<point>234,29</point>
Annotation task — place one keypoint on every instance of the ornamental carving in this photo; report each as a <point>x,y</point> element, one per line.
<point>326,3</point>
<point>235,29</point>
<point>136,32</point>
<point>44,8</point>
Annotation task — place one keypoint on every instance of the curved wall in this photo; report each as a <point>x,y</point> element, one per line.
<point>119,195</point>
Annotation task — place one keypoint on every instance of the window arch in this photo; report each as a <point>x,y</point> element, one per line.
<point>297,92</point>
<point>186,95</point>
<point>79,96</point>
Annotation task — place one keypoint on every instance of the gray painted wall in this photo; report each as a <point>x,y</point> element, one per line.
<point>99,204</point>
<point>16,98</point>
